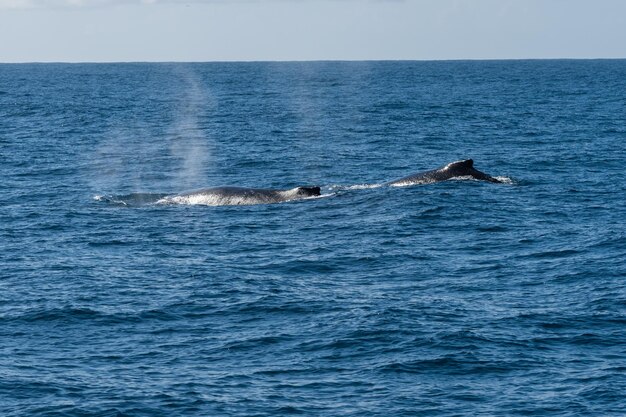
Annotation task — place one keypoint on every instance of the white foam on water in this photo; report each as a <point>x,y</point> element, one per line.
<point>409,183</point>
<point>354,187</point>
<point>110,199</point>
<point>363,186</point>
<point>502,179</point>
<point>315,197</point>
<point>505,180</point>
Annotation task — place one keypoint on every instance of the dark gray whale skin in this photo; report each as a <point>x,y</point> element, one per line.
<point>243,195</point>
<point>464,168</point>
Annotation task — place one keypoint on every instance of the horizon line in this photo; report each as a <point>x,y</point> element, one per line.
<point>35,62</point>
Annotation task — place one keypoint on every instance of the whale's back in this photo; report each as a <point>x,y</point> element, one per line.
<point>457,169</point>
<point>235,196</point>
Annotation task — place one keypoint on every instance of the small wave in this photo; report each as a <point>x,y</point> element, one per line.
<point>55,314</point>
<point>492,229</point>
<point>554,254</point>
<point>72,314</point>
<point>450,365</point>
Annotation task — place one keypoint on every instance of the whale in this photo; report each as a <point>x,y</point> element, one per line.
<point>457,169</point>
<point>235,196</point>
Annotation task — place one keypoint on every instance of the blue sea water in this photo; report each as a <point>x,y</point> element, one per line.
<point>448,299</point>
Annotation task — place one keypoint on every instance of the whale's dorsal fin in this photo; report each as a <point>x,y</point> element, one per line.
<point>463,164</point>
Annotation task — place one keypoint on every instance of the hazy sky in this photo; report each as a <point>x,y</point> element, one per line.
<point>247,30</point>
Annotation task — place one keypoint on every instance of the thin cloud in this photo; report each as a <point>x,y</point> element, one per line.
<point>56,4</point>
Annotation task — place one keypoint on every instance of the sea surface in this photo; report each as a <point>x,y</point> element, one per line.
<point>458,298</point>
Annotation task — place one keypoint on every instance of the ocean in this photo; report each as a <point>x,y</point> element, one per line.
<point>456,298</point>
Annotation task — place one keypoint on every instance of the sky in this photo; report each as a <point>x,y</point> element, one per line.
<point>294,30</point>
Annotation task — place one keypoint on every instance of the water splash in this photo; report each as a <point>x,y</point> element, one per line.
<point>190,144</point>
<point>174,151</point>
